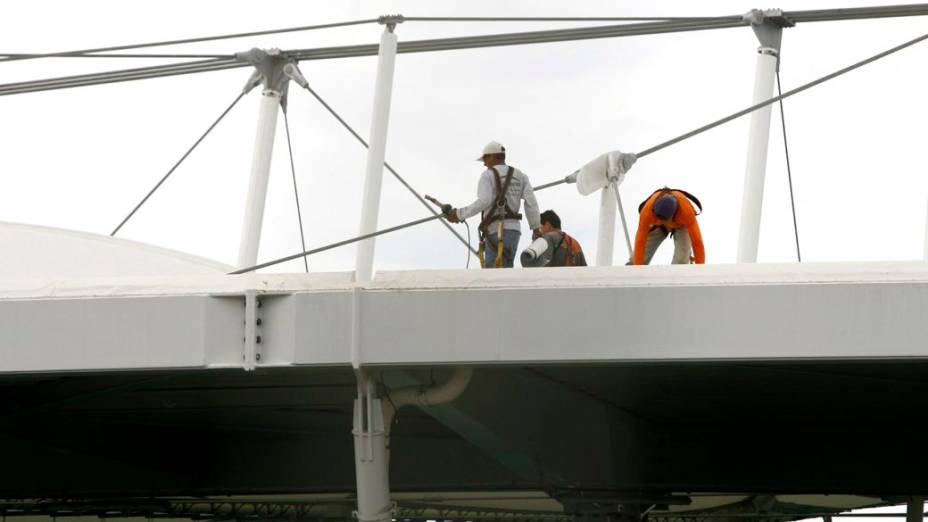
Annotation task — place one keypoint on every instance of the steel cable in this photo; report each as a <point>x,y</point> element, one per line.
<point>519,38</point>
<point>665,25</point>
<point>120,55</point>
<point>415,46</point>
<point>789,171</point>
<point>119,76</point>
<point>793,16</point>
<point>296,194</point>
<point>103,75</point>
<point>335,245</point>
<point>552,183</point>
<point>191,40</point>
<point>181,160</point>
<point>565,18</point>
<point>387,166</point>
<point>783,96</point>
<point>780,97</point>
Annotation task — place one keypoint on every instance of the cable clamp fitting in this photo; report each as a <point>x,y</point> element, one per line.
<point>772,16</point>
<point>292,71</point>
<point>391,20</point>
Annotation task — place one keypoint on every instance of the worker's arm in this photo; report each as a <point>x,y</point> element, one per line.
<point>699,250</point>
<point>484,198</point>
<point>532,214</point>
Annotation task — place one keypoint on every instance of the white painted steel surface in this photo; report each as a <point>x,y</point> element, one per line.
<point>52,335</point>
<point>370,460</point>
<point>925,255</point>
<point>32,252</point>
<point>380,117</point>
<point>722,312</point>
<point>257,184</point>
<point>755,169</point>
<point>605,240</point>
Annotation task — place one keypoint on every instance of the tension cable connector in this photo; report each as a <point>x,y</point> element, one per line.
<point>253,81</point>
<point>274,69</point>
<point>293,72</point>
<point>391,20</point>
<point>768,26</point>
<point>773,16</point>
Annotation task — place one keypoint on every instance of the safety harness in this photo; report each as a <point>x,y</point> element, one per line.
<point>499,212</point>
<point>571,249</point>
<point>667,190</point>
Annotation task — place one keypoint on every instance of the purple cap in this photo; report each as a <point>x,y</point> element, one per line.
<point>665,206</point>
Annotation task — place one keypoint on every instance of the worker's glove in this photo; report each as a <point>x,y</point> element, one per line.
<point>537,233</point>
<point>453,216</point>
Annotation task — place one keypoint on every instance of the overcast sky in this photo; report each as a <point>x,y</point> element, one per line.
<point>81,158</point>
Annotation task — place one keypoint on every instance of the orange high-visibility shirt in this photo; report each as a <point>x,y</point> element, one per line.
<point>685,216</point>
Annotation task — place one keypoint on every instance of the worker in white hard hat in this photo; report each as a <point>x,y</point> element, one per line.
<point>500,193</point>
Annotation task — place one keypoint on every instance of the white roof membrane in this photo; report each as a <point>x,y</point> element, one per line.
<point>35,252</point>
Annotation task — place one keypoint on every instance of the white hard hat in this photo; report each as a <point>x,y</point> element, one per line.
<point>492,148</point>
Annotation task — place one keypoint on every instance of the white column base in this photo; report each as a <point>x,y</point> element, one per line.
<point>370,460</point>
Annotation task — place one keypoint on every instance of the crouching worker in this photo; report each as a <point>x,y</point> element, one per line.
<point>554,247</point>
<point>500,193</point>
<point>669,212</point>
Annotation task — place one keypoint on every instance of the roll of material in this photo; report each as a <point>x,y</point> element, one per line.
<point>597,173</point>
<point>534,256</point>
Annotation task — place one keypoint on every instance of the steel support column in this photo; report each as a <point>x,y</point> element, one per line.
<point>269,66</point>
<point>370,454</point>
<point>257,184</point>
<point>915,509</point>
<point>370,204</point>
<point>605,242</point>
<point>768,26</point>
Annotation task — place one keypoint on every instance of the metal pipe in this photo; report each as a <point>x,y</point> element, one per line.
<point>618,200</point>
<point>606,237</point>
<point>257,185</point>
<point>414,395</point>
<point>370,205</point>
<point>756,165</point>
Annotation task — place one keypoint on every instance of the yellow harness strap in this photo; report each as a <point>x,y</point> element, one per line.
<point>499,244</point>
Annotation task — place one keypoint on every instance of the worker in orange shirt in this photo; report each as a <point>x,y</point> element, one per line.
<point>669,212</point>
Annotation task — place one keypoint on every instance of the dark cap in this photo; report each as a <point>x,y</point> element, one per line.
<point>665,206</point>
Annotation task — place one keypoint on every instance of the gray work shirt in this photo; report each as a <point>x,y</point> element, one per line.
<point>519,189</point>
<point>555,253</point>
